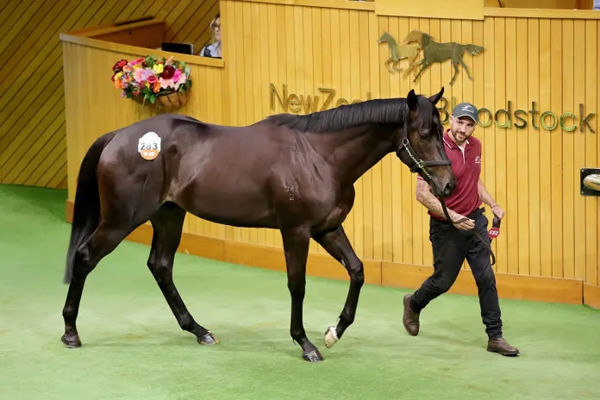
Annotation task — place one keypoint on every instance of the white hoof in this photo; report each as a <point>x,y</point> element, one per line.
<point>331,337</point>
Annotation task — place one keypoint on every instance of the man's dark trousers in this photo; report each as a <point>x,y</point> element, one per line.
<point>450,248</point>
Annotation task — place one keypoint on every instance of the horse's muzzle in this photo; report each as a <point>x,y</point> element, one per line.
<point>448,189</point>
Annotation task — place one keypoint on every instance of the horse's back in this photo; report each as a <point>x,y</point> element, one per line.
<point>219,173</point>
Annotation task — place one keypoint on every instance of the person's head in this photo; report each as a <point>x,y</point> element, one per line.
<point>463,121</point>
<point>215,27</point>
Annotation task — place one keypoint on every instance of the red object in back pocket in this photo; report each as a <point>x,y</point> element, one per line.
<point>495,229</point>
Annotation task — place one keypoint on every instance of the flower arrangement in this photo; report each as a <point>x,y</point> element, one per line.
<point>146,79</point>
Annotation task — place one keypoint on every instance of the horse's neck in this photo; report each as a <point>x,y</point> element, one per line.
<point>358,149</point>
<point>426,41</point>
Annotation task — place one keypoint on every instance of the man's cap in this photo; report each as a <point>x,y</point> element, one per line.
<point>466,110</point>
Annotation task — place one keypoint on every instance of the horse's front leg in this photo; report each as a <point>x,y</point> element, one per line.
<point>424,66</point>
<point>295,245</point>
<point>337,244</point>
<point>388,64</point>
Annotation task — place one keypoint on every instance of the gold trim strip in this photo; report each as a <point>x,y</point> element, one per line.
<point>136,50</point>
<point>540,13</point>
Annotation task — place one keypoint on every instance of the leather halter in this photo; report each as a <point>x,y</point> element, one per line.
<point>419,165</point>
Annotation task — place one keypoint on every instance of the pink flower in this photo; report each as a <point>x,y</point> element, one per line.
<point>166,83</point>
<point>141,75</point>
<point>152,79</point>
<point>177,76</point>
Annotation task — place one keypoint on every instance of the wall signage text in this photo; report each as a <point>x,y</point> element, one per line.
<point>506,118</point>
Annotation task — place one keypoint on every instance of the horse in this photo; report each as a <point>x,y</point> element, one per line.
<point>398,53</point>
<point>439,52</point>
<point>294,173</point>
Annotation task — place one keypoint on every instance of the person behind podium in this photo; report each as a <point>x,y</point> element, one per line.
<point>213,49</point>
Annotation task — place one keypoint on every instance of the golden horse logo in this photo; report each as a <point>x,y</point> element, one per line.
<point>432,52</point>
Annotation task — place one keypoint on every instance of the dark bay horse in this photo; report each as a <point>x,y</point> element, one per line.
<point>288,172</point>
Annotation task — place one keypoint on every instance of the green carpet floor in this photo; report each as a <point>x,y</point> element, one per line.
<point>134,349</point>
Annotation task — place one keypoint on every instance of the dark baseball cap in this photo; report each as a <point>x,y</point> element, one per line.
<point>466,110</point>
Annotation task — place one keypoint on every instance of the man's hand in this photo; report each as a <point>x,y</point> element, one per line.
<point>498,211</point>
<point>466,223</point>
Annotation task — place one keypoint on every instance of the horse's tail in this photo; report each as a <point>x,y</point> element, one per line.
<point>86,211</point>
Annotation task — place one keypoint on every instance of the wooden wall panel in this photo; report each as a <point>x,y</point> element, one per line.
<point>32,117</point>
<point>532,172</point>
<point>550,230</point>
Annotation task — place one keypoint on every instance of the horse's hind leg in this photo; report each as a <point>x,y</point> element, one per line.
<point>103,241</point>
<point>167,224</point>
<point>337,244</point>
<point>295,245</point>
<point>455,65</point>
<point>466,69</point>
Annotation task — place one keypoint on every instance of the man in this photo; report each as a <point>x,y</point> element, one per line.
<point>452,243</point>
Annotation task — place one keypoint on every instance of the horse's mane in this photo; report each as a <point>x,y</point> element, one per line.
<point>379,111</point>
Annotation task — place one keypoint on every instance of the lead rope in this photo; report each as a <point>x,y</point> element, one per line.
<point>485,241</point>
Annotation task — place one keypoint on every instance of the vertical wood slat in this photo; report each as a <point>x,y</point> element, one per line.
<point>569,189</point>
<point>578,204</point>
<point>556,150</point>
<point>513,166</point>
<point>520,152</point>
<point>533,156</point>
<point>545,188</point>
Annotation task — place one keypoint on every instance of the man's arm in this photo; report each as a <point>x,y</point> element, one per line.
<point>486,197</point>
<point>433,204</point>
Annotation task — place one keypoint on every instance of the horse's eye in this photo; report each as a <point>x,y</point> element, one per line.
<point>424,132</point>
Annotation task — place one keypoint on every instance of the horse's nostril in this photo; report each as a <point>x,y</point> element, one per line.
<point>449,189</point>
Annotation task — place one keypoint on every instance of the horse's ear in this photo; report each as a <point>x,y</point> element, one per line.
<point>411,99</point>
<point>436,97</point>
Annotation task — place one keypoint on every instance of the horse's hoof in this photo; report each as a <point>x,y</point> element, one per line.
<point>208,339</point>
<point>331,337</point>
<point>71,341</point>
<point>312,356</point>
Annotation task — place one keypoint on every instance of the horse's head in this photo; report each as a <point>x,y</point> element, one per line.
<point>420,145</point>
<point>386,37</point>
<point>418,36</point>
<point>473,49</point>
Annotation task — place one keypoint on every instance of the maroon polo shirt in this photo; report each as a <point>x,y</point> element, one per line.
<point>466,168</point>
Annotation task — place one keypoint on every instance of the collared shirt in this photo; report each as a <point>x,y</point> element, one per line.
<point>211,50</point>
<point>466,167</point>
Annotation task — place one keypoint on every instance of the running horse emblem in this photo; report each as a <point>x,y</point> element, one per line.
<point>399,53</point>
<point>440,52</point>
<point>242,176</point>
